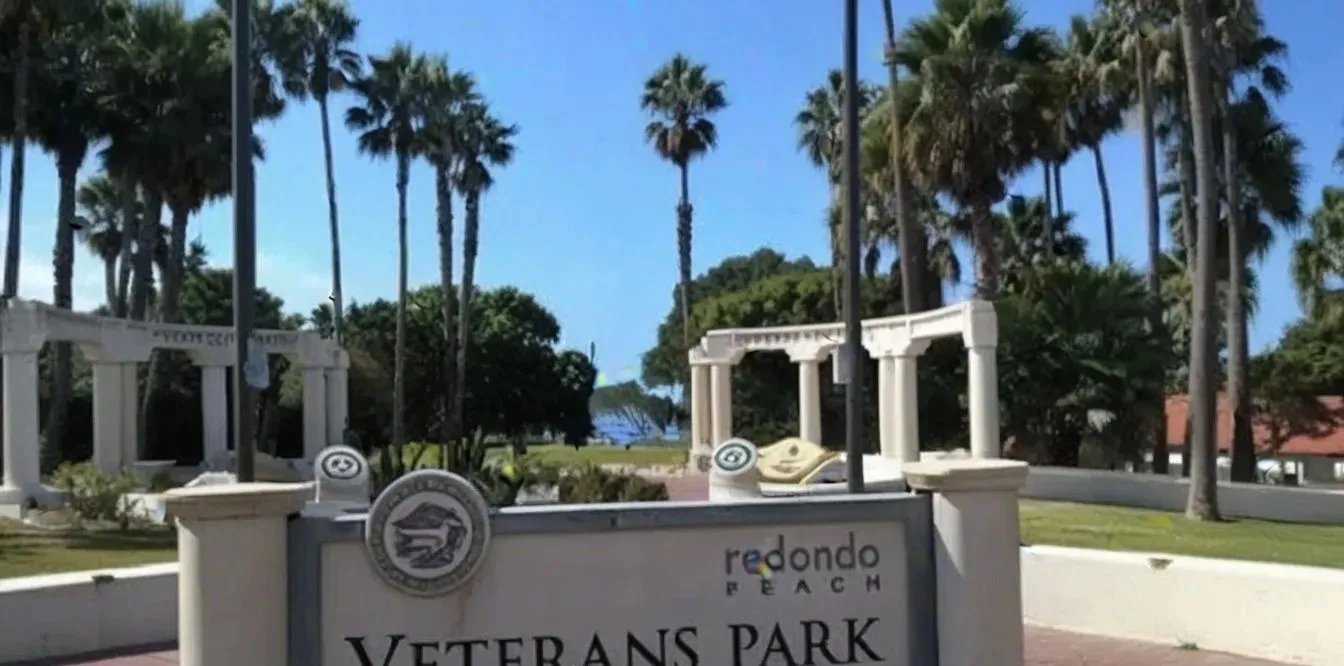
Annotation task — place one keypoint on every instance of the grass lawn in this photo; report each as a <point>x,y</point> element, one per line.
<point>1119,528</point>
<point>28,552</point>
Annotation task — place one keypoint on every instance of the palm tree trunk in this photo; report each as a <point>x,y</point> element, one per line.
<point>144,252</point>
<point>1160,454</point>
<point>1203,501</point>
<point>170,297</point>
<point>449,430</point>
<point>130,229</point>
<point>63,263</point>
<point>986,256</point>
<point>1186,167</point>
<point>399,365</point>
<point>1109,219</point>
<point>1238,351</point>
<point>337,296</point>
<point>110,284</point>
<point>1046,191</point>
<point>470,247</point>
<point>20,143</point>
<point>1057,167</point>
<point>1048,225</point>
<point>912,250</point>
<point>683,254</point>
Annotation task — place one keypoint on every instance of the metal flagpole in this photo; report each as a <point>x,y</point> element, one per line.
<point>244,237</point>
<point>854,354</point>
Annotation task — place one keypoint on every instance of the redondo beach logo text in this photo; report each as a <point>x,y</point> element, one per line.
<point>787,566</point>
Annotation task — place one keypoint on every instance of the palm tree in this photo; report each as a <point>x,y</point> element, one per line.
<point>485,144</point>
<point>68,117</point>
<point>1319,257</point>
<point>1093,112</point>
<point>323,32</point>
<point>910,235</point>
<point>1135,24</point>
<point>1203,500</point>
<point>99,225</point>
<point>449,92</point>
<point>390,99</point>
<point>1029,236</point>
<point>25,18</point>
<point>681,98</point>
<point>1240,46</point>
<point>973,60</point>
<point>820,137</point>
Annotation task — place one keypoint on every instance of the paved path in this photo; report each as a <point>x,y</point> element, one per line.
<point>1045,647</point>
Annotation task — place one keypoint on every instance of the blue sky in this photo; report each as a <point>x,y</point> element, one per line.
<point>584,218</point>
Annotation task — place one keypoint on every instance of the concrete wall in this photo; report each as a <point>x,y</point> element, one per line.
<point>74,613</point>
<point>1280,612</point>
<point>1273,611</point>
<point>1149,491</point>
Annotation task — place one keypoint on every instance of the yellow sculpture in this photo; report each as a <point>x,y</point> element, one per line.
<point>792,461</point>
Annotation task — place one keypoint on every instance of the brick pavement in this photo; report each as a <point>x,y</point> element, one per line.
<point>1045,647</point>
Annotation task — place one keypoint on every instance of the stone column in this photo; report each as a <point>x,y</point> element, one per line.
<point>337,388</point>
<point>214,365</point>
<point>314,411</point>
<point>721,402</point>
<point>701,448</point>
<point>214,412</point>
<point>22,472</point>
<point>130,413</point>
<point>905,399</point>
<point>887,418</point>
<point>233,597</point>
<point>808,357</point>
<point>976,557</point>
<point>108,449</point>
<point>981,336</point>
<point>115,405</point>
<point>809,402</point>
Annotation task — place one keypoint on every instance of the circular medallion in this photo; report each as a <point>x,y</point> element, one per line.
<point>428,532</point>
<point>734,455</point>
<point>340,463</point>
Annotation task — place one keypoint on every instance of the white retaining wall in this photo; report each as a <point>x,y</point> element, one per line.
<point>1150,491</point>
<point>1272,611</point>
<point>73,613</point>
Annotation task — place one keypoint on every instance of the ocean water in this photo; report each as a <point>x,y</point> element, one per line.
<point>617,431</point>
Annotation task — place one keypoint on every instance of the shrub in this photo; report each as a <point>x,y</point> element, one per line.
<point>93,496</point>
<point>591,484</point>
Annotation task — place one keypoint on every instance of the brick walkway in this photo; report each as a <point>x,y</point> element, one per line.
<point>1045,647</point>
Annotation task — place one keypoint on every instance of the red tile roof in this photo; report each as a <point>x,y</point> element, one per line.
<point>1320,434</point>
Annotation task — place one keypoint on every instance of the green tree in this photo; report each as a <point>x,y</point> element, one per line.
<point>682,98</point>
<point>910,236</point>
<point>324,61</point>
<point>485,143</point>
<point>441,142</point>
<point>389,99</point>
<point>974,59</point>
<point>1203,501</point>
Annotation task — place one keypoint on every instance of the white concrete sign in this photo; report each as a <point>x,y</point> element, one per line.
<point>730,596</point>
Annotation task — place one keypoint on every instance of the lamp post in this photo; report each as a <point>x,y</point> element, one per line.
<point>244,236</point>
<point>853,347</point>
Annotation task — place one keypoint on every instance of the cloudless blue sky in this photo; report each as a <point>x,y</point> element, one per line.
<point>584,218</point>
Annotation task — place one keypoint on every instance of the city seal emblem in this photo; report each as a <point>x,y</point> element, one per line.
<point>734,456</point>
<point>427,534</point>
<point>340,463</point>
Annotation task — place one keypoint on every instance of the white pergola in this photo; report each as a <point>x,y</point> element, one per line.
<point>896,342</point>
<point>115,348</point>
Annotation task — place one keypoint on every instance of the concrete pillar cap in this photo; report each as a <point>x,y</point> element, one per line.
<point>237,501</point>
<point>967,474</point>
